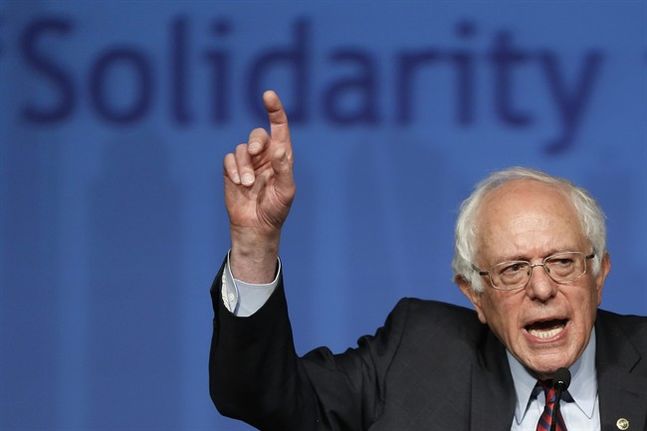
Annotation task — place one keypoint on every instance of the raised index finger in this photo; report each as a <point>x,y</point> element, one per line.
<point>279,129</point>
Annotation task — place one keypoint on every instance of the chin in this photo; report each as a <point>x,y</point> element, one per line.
<point>548,368</point>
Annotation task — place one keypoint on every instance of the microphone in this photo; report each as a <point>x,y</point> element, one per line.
<point>561,378</point>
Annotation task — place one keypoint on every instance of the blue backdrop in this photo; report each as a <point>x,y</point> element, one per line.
<point>115,118</point>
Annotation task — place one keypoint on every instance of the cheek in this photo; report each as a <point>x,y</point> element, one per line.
<point>584,307</point>
<point>592,299</point>
<point>499,316</point>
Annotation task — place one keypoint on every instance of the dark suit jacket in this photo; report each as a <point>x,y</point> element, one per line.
<point>432,366</point>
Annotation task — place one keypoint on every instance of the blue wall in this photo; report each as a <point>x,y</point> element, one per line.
<point>115,118</point>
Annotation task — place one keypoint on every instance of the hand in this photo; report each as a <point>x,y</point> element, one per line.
<point>259,189</point>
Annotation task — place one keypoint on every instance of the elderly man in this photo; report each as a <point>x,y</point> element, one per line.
<point>530,256</point>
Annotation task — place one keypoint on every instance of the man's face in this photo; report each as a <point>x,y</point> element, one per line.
<point>545,325</point>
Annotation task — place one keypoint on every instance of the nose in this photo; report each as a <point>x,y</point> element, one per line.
<point>540,286</point>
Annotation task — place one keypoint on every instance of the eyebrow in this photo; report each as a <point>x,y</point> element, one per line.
<point>527,258</point>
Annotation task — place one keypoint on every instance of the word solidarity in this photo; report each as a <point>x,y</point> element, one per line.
<point>358,85</point>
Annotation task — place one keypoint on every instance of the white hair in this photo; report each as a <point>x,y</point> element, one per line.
<point>589,213</point>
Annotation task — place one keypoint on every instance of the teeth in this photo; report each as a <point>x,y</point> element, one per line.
<point>546,333</point>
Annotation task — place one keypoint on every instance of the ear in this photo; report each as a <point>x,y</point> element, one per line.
<point>605,267</point>
<point>474,296</point>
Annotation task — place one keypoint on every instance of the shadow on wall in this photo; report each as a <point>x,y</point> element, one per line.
<point>133,378</point>
<point>395,208</point>
<point>29,279</point>
<point>30,269</point>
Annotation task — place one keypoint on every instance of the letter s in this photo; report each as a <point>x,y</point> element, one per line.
<point>45,65</point>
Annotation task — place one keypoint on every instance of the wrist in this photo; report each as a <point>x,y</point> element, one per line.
<point>253,255</point>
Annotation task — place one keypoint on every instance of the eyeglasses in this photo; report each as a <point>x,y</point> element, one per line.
<point>564,267</point>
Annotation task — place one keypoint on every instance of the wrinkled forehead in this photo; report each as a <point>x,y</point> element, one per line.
<point>523,215</point>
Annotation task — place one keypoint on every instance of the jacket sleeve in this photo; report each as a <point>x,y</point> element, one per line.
<point>256,376</point>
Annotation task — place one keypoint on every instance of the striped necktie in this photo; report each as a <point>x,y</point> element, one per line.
<point>545,422</point>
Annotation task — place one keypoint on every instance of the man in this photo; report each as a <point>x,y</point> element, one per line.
<point>531,257</point>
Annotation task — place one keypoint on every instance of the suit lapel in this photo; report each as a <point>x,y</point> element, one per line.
<point>493,396</point>
<point>622,394</point>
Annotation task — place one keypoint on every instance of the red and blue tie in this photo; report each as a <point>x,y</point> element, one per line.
<point>545,420</point>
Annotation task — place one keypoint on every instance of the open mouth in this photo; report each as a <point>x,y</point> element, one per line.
<point>546,329</point>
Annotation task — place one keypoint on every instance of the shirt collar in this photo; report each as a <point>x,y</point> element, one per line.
<point>583,388</point>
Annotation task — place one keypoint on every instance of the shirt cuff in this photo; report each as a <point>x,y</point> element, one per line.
<point>244,299</point>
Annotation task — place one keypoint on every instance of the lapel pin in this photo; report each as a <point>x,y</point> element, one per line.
<point>622,424</point>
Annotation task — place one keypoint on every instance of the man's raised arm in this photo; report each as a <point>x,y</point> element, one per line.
<point>259,189</point>
<point>255,374</point>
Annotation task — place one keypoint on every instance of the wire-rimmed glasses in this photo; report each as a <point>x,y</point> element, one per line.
<point>563,268</point>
